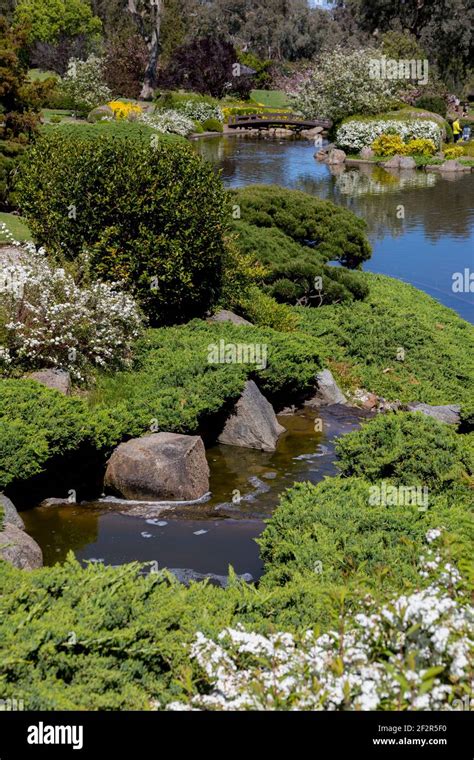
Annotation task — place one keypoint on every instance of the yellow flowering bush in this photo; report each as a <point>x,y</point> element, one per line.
<point>124,110</point>
<point>389,145</point>
<point>453,151</point>
<point>421,147</point>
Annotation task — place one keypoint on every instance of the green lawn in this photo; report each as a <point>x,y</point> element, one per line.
<point>117,128</point>
<point>270,98</point>
<point>37,75</point>
<point>16,225</point>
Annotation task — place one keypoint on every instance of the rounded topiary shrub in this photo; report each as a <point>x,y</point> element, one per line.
<point>150,213</point>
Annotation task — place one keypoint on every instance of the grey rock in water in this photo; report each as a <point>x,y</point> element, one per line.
<point>449,413</point>
<point>310,134</point>
<point>57,379</point>
<point>223,315</point>
<point>328,391</point>
<point>10,514</point>
<point>336,156</point>
<point>185,576</point>
<point>159,466</point>
<point>252,423</point>
<point>19,549</point>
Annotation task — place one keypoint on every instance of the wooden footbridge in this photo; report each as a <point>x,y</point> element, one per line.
<point>276,120</point>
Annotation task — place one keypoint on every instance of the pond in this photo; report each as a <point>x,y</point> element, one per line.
<point>206,537</point>
<point>434,240</point>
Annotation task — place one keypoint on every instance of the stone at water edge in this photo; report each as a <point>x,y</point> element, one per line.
<point>19,549</point>
<point>448,413</point>
<point>252,423</point>
<point>223,315</point>
<point>159,467</point>
<point>336,156</point>
<point>328,391</point>
<point>367,153</point>
<point>449,166</point>
<point>399,162</point>
<point>10,514</point>
<point>57,379</point>
<point>310,134</point>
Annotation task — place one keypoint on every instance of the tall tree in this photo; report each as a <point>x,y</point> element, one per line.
<point>148,15</point>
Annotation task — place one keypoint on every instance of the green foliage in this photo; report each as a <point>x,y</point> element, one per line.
<point>434,103</point>
<point>334,233</point>
<point>362,341</point>
<point>212,125</point>
<point>262,310</point>
<point>291,269</point>
<point>151,214</point>
<point>47,20</point>
<point>36,424</point>
<point>406,449</point>
<point>467,416</point>
<point>326,547</point>
<point>176,385</point>
<point>173,384</point>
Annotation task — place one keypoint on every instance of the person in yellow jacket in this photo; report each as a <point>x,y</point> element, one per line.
<point>457,130</point>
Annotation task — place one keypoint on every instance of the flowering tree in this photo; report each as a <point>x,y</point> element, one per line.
<point>85,85</point>
<point>340,85</point>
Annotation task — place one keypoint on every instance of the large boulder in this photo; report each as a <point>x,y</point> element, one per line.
<point>19,549</point>
<point>223,315</point>
<point>10,515</point>
<point>328,391</point>
<point>336,156</point>
<point>159,467</point>
<point>449,166</point>
<point>57,379</point>
<point>310,134</point>
<point>400,162</point>
<point>449,413</point>
<point>101,113</point>
<point>252,423</point>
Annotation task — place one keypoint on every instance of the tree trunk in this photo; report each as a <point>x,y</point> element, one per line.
<point>148,21</point>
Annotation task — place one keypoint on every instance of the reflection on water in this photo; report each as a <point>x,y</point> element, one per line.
<point>205,537</point>
<point>435,238</point>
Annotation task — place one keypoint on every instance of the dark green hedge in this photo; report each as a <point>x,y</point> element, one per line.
<point>151,214</point>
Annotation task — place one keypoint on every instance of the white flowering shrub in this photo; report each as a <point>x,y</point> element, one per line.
<point>340,85</point>
<point>85,85</point>
<point>355,135</point>
<point>200,111</point>
<point>46,320</point>
<point>169,121</point>
<point>413,653</point>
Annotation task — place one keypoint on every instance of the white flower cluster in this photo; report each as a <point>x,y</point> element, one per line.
<point>51,322</point>
<point>340,85</point>
<point>84,82</point>
<point>413,653</point>
<point>355,135</point>
<point>169,121</point>
<point>200,111</point>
